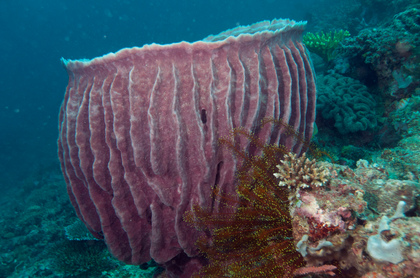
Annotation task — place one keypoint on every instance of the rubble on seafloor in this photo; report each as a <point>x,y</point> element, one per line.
<point>361,221</point>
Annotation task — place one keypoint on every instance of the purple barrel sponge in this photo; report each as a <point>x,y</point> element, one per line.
<point>139,130</point>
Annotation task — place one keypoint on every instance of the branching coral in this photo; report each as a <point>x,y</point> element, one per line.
<point>300,172</point>
<point>324,44</point>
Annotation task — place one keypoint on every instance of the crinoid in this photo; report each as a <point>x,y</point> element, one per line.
<point>253,237</point>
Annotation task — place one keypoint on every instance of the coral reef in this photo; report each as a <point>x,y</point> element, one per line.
<point>332,226</point>
<point>385,58</point>
<point>346,216</point>
<point>347,101</point>
<point>327,230</point>
<point>359,220</point>
<point>403,161</point>
<point>324,44</point>
<point>387,54</point>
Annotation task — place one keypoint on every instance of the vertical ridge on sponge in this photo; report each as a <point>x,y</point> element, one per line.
<point>139,130</point>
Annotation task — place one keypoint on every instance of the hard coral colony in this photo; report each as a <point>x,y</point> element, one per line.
<point>298,173</point>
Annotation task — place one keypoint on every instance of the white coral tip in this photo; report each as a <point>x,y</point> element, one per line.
<point>282,183</point>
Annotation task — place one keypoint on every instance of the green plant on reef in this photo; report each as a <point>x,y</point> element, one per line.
<point>324,44</point>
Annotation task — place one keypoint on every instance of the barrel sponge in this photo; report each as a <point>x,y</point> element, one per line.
<point>347,101</point>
